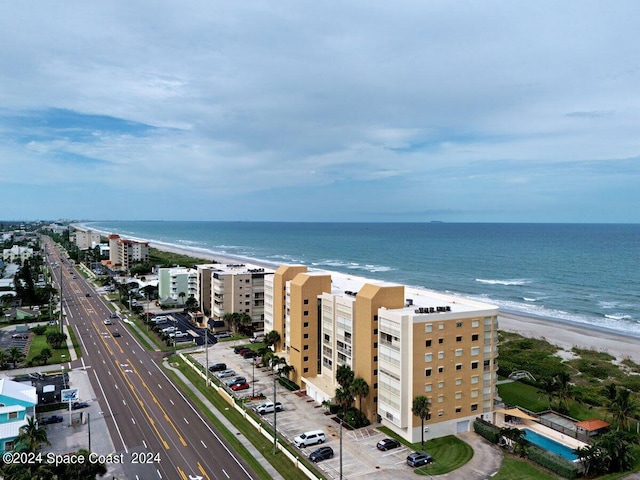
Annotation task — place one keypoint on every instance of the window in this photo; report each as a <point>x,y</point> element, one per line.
<point>458,381</point>
<point>458,395</point>
<point>474,365</point>
<point>428,357</point>
<point>475,337</point>
<point>375,331</point>
<point>458,352</point>
<point>375,358</point>
<point>440,355</point>
<point>13,415</point>
<point>475,351</point>
<point>427,387</point>
<point>375,344</point>
<point>474,393</point>
<point>305,359</point>
<point>306,301</point>
<point>474,379</point>
<point>375,318</point>
<point>306,335</point>
<point>440,369</point>
<point>306,370</point>
<point>428,328</point>
<point>306,347</point>
<point>427,372</point>
<point>327,338</point>
<point>440,398</point>
<point>440,341</point>
<point>427,343</point>
<point>458,366</point>
<point>441,326</point>
<point>440,413</point>
<point>475,323</point>
<point>306,313</point>
<point>459,338</point>
<point>458,409</point>
<point>474,407</point>
<point>458,324</point>
<point>440,384</point>
<point>305,324</point>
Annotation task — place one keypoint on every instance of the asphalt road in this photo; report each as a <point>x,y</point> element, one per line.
<point>160,434</point>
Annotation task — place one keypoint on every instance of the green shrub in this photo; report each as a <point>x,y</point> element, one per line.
<point>288,384</point>
<point>487,430</point>
<point>550,461</point>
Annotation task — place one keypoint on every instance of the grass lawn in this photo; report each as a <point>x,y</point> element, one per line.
<point>514,467</point>
<point>523,395</point>
<point>39,342</point>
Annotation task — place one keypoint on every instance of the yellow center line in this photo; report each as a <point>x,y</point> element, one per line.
<point>182,474</point>
<point>202,471</point>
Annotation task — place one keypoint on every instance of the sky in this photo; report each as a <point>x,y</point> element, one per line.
<point>404,111</point>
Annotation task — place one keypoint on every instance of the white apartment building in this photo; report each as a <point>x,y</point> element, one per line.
<point>174,281</point>
<point>17,254</point>
<point>86,239</point>
<point>231,288</point>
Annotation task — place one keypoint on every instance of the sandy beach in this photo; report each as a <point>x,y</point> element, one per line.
<point>561,333</point>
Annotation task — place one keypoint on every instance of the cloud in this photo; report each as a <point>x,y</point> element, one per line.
<point>213,110</point>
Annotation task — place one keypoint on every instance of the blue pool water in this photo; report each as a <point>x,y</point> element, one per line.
<point>550,444</point>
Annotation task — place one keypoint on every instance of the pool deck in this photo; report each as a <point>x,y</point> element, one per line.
<point>549,432</point>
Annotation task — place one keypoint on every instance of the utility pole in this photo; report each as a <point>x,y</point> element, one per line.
<point>61,296</point>
<point>275,413</point>
<point>206,351</point>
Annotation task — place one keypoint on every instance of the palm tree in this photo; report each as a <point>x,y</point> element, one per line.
<point>622,408</point>
<point>267,358</point>
<point>271,338</point>
<point>182,295</point>
<point>15,355</point>
<point>344,375</point>
<point>4,359</point>
<point>31,436</point>
<point>359,388</point>
<point>565,390</point>
<point>420,408</point>
<point>344,398</point>
<point>45,355</point>
<point>549,387</point>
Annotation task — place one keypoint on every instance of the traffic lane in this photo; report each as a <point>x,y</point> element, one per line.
<point>171,433</point>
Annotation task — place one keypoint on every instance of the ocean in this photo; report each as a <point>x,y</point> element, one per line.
<point>580,273</point>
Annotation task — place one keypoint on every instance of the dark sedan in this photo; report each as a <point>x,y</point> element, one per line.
<point>387,444</point>
<point>79,405</point>
<point>51,419</point>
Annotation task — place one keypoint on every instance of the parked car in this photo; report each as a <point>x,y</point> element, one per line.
<point>240,386</point>
<point>312,437</point>
<point>257,339</point>
<point>23,335</point>
<point>51,419</point>
<point>107,321</point>
<point>321,453</point>
<point>267,407</point>
<point>116,333</point>
<point>236,379</point>
<point>226,373</point>
<point>218,367</point>
<point>178,334</point>
<point>168,329</point>
<point>240,348</point>
<point>250,354</point>
<point>387,444</point>
<point>79,405</point>
<point>222,335</point>
<point>417,459</point>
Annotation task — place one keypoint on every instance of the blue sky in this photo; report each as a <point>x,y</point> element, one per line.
<point>314,111</point>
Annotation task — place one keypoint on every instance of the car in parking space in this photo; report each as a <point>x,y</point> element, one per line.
<point>116,333</point>
<point>240,386</point>
<point>168,329</point>
<point>249,354</point>
<point>321,453</point>
<point>107,321</point>
<point>238,349</point>
<point>79,405</point>
<point>267,407</point>
<point>218,367</point>
<point>226,373</point>
<point>178,334</point>
<point>51,419</point>
<point>387,444</point>
<point>222,335</point>
<point>234,380</point>
<point>312,437</point>
<point>418,459</point>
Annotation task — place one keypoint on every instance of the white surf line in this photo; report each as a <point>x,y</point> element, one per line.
<point>126,450</point>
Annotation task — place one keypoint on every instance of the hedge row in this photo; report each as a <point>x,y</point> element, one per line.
<point>550,461</point>
<point>487,430</point>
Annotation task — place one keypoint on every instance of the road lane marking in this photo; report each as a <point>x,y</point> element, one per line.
<point>111,413</point>
<point>203,472</point>
<point>203,444</point>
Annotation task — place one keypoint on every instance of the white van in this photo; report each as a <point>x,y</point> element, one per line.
<point>309,438</point>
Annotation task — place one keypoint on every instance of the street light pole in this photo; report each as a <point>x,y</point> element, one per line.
<point>61,297</point>
<point>206,353</point>
<point>275,413</point>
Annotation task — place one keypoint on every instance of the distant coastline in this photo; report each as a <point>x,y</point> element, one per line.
<point>563,333</point>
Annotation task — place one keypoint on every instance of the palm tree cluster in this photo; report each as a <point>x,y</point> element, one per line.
<point>558,386</point>
<point>608,453</point>
<point>421,408</point>
<point>350,387</point>
<point>13,355</point>
<point>241,322</point>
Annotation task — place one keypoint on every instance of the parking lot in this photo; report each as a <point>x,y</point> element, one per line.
<point>360,457</point>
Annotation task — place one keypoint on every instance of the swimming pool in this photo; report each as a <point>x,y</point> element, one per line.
<point>550,444</point>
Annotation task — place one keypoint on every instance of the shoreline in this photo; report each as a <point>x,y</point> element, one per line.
<point>562,333</point>
<point>559,332</point>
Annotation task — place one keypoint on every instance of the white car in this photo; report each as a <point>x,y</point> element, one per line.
<point>107,321</point>
<point>178,334</point>
<point>226,373</point>
<point>267,407</point>
<point>169,329</point>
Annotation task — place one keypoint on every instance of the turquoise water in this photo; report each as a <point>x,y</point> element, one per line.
<point>580,273</point>
<point>550,444</point>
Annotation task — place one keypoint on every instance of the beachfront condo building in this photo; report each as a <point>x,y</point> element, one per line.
<point>232,288</point>
<point>86,239</point>
<point>127,253</point>
<point>176,285</point>
<point>403,342</point>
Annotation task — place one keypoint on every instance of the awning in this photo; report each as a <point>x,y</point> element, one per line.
<point>515,412</point>
<point>592,425</point>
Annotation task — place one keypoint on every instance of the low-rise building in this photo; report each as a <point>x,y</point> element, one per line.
<point>17,404</point>
<point>17,254</point>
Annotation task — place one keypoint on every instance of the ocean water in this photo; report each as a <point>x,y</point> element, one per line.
<point>581,273</point>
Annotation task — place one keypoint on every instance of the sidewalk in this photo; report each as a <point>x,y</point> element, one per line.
<point>228,425</point>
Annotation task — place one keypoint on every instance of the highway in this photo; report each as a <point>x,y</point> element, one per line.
<point>150,421</point>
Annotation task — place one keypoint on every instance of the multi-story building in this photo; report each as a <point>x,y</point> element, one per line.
<point>17,404</point>
<point>127,253</point>
<point>17,254</point>
<point>86,239</point>
<point>442,347</point>
<point>232,288</point>
<point>172,282</point>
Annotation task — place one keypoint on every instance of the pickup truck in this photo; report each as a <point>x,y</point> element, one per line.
<point>178,334</point>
